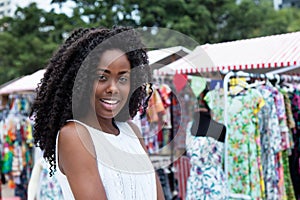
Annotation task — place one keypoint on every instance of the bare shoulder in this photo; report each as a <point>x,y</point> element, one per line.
<point>73,143</point>
<point>71,129</point>
<point>69,136</point>
<point>77,160</point>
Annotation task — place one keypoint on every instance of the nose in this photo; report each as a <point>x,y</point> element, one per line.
<point>112,87</point>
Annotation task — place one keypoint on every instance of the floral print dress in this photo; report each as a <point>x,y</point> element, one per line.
<point>49,186</point>
<point>271,143</point>
<point>206,180</point>
<point>243,162</point>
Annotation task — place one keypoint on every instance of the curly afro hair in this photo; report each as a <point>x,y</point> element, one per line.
<point>70,74</point>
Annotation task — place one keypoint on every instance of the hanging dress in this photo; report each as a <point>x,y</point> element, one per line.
<point>207,178</point>
<point>271,143</point>
<point>244,163</point>
<point>49,188</point>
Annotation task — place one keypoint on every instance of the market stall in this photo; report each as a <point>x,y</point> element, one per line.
<point>262,71</point>
<point>259,55</point>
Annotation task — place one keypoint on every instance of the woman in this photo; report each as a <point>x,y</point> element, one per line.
<point>93,84</point>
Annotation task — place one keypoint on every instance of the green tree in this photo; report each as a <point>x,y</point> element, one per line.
<point>198,19</point>
<point>291,17</point>
<point>103,12</point>
<point>206,21</point>
<point>257,18</point>
<point>29,39</point>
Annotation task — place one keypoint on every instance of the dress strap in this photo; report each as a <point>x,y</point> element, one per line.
<point>128,129</point>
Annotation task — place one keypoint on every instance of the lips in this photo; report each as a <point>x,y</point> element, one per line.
<point>110,104</point>
<point>110,101</point>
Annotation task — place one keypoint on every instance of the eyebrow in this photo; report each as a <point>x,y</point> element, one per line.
<point>107,71</point>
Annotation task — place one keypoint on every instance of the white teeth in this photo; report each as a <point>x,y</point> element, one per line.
<point>110,101</point>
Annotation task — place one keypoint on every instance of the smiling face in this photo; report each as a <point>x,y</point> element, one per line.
<point>111,89</point>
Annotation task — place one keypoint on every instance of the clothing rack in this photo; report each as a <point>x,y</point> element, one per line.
<point>284,69</point>
<point>270,76</point>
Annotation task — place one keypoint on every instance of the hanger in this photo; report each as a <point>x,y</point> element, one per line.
<point>277,77</point>
<point>238,86</point>
<point>288,87</point>
<point>274,79</point>
<point>287,84</point>
<point>259,79</point>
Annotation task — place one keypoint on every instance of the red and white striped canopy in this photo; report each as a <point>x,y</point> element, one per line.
<point>258,53</point>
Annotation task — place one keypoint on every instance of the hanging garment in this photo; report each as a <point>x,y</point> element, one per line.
<point>271,143</point>
<point>295,156</point>
<point>207,178</point>
<point>149,133</point>
<point>49,188</point>
<point>155,106</point>
<point>182,168</point>
<point>244,170</point>
<point>284,142</point>
<point>288,184</point>
<point>164,180</point>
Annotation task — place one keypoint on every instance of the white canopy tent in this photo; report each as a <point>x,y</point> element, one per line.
<point>261,54</point>
<point>160,55</point>
<point>188,63</point>
<point>26,83</point>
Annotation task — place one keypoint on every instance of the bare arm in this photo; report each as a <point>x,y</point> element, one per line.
<point>78,164</point>
<point>160,194</point>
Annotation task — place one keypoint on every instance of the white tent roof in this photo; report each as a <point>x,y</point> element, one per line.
<point>160,54</point>
<point>257,53</point>
<point>188,63</point>
<point>23,84</point>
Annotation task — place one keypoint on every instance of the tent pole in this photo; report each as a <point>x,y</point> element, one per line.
<point>283,70</point>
